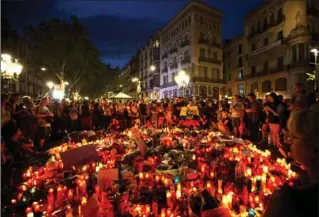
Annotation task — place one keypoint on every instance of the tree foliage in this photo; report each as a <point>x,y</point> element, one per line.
<point>65,50</point>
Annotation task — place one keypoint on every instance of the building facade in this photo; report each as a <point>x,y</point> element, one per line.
<point>191,42</point>
<point>149,68</point>
<point>234,65</point>
<point>278,37</point>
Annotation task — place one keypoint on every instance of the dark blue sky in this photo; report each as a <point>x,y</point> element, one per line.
<point>118,28</point>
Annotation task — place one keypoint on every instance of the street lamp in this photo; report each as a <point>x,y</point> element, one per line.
<point>10,69</point>
<point>152,68</point>
<point>182,80</point>
<point>43,69</point>
<point>315,52</point>
<point>138,88</point>
<point>50,85</point>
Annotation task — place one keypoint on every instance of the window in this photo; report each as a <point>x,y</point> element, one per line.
<point>201,35</point>
<point>229,65</point>
<point>241,89</point>
<point>265,24</point>
<point>203,91</point>
<point>253,70</point>
<point>209,52</point>
<point>265,67</point>
<point>201,21</point>
<point>272,18</point>
<point>252,30</point>
<point>189,19</point>
<point>254,87</point>
<point>240,74</point>
<point>294,53</point>
<point>280,62</point>
<point>202,52</point>
<point>253,47</point>
<point>301,52</point>
<point>279,14</point>
<point>265,41</point>
<point>258,27</point>
<point>266,86</point>
<point>214,25</point>
<point>214,39</point>
<point>215,93</point>
<point>240,62</point>
<point>280,35</point>
<point>239,49</point>
<point>215,55</point>
<point>281,84</point>
<point>203,71</point>
<point>229,77</point>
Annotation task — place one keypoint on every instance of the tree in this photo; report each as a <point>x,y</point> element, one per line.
<point>65,50</point>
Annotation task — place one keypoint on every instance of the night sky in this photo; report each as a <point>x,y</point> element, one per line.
<point>119,28</point>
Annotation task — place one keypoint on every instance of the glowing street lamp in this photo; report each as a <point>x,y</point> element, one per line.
<point>182,80</point>
<point>152,68</point>
<point>138,88</point>
<point>50,85</point>
<point>43,69</point>
<point>10,69</point>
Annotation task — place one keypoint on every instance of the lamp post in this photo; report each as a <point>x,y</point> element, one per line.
<point>138,88</point>
<point>182,80</point>
<point>315,52</point>
<point>10,70</point>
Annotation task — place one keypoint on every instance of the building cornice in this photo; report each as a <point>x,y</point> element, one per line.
<point>189,6</point>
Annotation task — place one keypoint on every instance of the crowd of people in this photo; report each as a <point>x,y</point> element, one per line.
<point>27,124</point>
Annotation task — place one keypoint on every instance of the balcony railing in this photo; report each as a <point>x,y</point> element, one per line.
<point>300,64</point>
<point>215,44</point>
<point>208,80</point>
<point>185,43</point>
<point>164,56</point>
<point>312,11</point>
<point>202,41</point>
<point>173,65</point>
<point>173,50</point>
<point>209,60</point>
<point>186,60</point>
<point>170,84</point>
<point>248,76</point>
<point>265,48</point>
<point>271,24</point>
<point>262,73</point>
<point>277,69</point>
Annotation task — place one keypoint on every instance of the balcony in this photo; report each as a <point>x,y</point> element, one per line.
<point>208,80</point>
<point>248,76</point>
<point>297,65</point>
<point>173,50</point>
<point>165,69</point>
<point>262,73</point>
<point>217,45</point>
<point>164,56</point>
<point>173,65</point>
<point>312,11</point>
<point>265,48</point>
<point>209,60</point>
<point>203,41</point>
<point>270,25</point>
<point>277,69</point>
<point>170,84</point>
<point>186,60</point>
<point>185,43</point>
